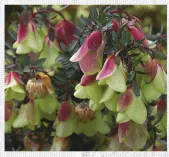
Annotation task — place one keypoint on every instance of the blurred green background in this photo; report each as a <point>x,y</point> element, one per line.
<point>155,15</point>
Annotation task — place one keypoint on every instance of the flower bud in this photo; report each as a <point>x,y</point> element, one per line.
<point>115,25</point>
<point>138,35</point>
<point>65,31</point>
<point>64,111</point>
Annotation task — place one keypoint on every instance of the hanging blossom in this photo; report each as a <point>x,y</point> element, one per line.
<point>90,54</point>
<point>14,86</point>
<point>50,52</point>
<point>88,85</point>
<point>29,38</point>
<point>155,80</point>
<point>113,75</point>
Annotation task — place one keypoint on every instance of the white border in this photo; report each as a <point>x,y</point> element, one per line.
<point>70,154</point>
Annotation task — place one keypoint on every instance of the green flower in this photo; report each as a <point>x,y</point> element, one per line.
<point>50,52</point>
<point>28,115</point>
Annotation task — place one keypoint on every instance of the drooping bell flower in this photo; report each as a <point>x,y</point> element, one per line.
<point>10,115</point>
<point>113,75</point>
<point>126,99</point>
<point>90,54</point>
<point>160,80</point>
<point>81,120</point>
<point>14,86</point>
<point>155,81</point>
<point>88,85</point>
<point>84,92</point>
<point>115,25</point>
<point>133,135</point>
<point>40,86</point>
<point>131,107</point>
<point>65,31</point>
<point>113,144</point>
<point>28,115</point>
<point>138,35</point>
<point>29,39</point>
<point>50,52</point>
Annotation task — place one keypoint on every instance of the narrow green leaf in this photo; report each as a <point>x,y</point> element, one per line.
<point>159,55</point>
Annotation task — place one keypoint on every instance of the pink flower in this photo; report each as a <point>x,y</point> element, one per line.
<point>138,35</point>
<point>65,31</point>
<point>90,54</point>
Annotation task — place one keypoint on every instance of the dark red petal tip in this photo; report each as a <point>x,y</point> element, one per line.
<point>64,112</point>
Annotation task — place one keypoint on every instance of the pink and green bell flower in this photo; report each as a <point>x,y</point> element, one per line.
<point>90,54</point>
<point>127,105</point>
<point>14,87</point>
<point>133,135</point>
<point>154,82</point>
<point>113,75</point>
<point>69,123</point>
<point>131,107</point>
<point>10,115</point>
<point>28,116</point>
<point>87,86</point>
<point>29,39</point>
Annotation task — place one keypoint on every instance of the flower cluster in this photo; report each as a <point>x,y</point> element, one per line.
<point>105,85</point>
<point>102,82</point>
